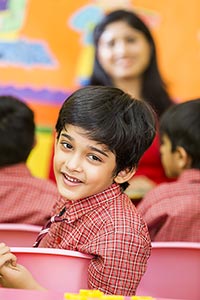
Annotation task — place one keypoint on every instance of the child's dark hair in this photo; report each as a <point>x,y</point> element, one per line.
<point>113,118</point>
<point>17,131</point>
<point>181,124</point>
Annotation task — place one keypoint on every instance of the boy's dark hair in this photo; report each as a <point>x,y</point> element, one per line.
<point>17,130</point>
<point>153,87</point>
<point>181,124</point>
<point>113,118</point>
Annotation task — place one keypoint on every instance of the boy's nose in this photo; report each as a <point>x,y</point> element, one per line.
<point>74,163</point>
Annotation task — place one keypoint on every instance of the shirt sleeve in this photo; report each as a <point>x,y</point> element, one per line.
<point>120,261</point>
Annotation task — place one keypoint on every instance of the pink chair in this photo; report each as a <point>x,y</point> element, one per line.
<point>18,294</point>
<point>18,235</point>
<point>56,269</point>
<point>173,271</point>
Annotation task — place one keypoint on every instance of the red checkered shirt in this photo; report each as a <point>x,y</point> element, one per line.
<point>172,210</point>
<point>108,227</point>
<point>24,198</point>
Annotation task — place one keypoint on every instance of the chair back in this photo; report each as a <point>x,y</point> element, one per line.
<point>18,235</point>
<point>56,269</point>
<point>173,271</point>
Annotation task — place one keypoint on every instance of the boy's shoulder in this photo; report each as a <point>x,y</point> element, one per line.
<point>164,190</point>
<point>178,188</point>
<point>121,213</point>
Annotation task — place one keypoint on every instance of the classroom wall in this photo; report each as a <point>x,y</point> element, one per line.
<point>46,51</point>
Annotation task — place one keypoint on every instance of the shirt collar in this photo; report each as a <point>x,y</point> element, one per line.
<point>76,209</point>
<point>190,175</point>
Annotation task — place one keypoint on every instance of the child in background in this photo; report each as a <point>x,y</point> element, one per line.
<point>102,133</point>
<point>172,210</point>
<point>23,197</point>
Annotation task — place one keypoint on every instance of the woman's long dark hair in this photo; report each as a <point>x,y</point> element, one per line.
<point>153,89</point>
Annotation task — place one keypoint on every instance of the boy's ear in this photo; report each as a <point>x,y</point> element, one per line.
<point>124,175</point>
<point>184,160</point>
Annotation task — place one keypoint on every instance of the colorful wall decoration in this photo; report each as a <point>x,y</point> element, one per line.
<point>46,53</point>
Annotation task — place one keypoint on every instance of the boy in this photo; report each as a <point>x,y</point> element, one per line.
<point>102,133</point>
<point>172,210</point>
<point>23,197</point>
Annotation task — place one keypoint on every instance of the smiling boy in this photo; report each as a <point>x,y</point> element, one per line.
<point>102,133</point>
<point>87,163</point>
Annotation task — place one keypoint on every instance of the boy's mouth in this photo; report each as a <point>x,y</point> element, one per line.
<point>71,179</point>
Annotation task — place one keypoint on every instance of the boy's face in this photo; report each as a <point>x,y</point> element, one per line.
<point>170,160</point>
<point>82,166</point>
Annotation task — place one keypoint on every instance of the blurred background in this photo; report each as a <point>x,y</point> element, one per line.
<point>46,53</point>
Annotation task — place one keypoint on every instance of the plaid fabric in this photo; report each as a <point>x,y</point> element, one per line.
<point>24,198</point>
<point>107,226</point>
<point>172,210</point>
<point>46,227</point>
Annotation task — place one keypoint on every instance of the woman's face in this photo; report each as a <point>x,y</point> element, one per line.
<point>123,52</point>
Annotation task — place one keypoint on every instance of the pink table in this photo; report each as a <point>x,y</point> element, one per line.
<point>17,294</point>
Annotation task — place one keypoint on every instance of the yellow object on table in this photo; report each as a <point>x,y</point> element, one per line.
<point>96,294</point>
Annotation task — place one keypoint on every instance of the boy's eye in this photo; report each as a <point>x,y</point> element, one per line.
<point>66,145</point>
<point>94,157</point>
